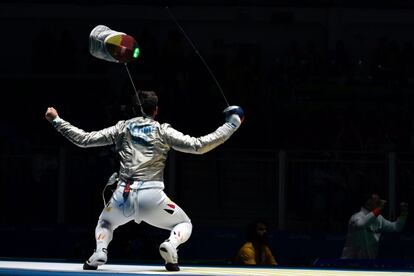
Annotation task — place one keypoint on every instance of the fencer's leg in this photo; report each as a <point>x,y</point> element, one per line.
<point>103,236</point>
<point>159,211</point>
<point>111,217</point>
<point>168,249</point>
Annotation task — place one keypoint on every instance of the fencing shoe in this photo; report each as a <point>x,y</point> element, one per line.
<point>169,254</point>
<point>98,258</point>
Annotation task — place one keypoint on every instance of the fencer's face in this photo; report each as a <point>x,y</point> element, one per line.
<point>374,202</point>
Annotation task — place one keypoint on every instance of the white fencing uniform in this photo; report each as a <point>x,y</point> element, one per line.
<point>143,144</point>
<point>364,232</point>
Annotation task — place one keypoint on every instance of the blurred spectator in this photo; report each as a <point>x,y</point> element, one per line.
<point>256,251</point>
<point>366,226</point>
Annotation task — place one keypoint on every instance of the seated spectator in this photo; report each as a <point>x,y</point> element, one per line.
<point>256,251</point>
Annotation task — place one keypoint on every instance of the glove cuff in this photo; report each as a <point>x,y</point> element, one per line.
<point>234,119</point>
<point>234,110</point>
<point>56,121</point>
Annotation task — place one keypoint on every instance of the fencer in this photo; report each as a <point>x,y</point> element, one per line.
<point>143,144</point>
<point>366,227</point>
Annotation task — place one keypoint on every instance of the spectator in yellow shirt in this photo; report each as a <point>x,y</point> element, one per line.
<point>256,251</point>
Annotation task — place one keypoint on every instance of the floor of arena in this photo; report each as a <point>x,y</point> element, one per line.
<point>19,268</point>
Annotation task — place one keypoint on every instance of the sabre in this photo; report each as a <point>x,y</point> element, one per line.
<point>198,53</point>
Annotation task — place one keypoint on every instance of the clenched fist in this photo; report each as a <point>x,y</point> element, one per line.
<point>51,114</point>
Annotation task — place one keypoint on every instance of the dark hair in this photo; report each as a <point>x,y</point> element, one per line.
<point>365,197</point>
<point>251,233</point>
<point>149,101</point>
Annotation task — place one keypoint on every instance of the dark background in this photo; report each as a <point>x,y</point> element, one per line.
<point>326,84</point>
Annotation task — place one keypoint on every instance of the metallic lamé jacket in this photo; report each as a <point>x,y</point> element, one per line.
<point>143,144</point>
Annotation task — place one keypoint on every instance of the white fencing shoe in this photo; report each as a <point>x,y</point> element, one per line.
<point>169,254</point>
<point>98,258</point>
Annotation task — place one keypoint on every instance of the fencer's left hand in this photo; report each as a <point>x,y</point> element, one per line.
<point>51,114</point>
<point>234,115</point>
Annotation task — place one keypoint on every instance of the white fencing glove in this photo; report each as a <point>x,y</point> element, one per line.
<point>234,115</point>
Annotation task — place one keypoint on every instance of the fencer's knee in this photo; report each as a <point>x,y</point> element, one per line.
<point>190,228</point>
<point>182,232</point>
<point>104,224</point>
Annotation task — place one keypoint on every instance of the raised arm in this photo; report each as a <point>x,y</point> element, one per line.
<point>80,137</point>
<point>203,144</point>
<point>361,221</point>
<point>398,225</point>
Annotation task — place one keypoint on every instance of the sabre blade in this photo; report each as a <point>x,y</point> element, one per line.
<point>198,53</point>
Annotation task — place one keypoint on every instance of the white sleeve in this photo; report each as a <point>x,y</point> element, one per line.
<point>360,220</point>
<point>393,226</point>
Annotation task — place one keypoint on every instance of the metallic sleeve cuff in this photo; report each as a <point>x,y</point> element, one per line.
<point>56,122</point>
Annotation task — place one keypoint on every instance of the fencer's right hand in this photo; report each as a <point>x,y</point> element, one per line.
<point>51,114</point>
<point>234,115</point>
